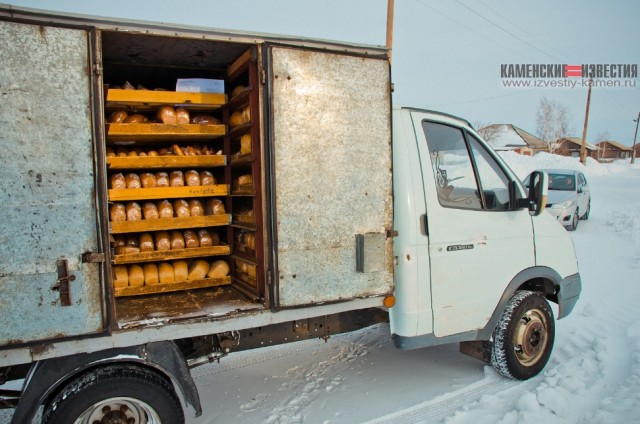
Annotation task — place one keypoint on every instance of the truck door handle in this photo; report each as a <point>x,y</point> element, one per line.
<point>424,224</point>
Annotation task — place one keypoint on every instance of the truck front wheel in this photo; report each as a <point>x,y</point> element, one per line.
<point>523,338</point>
<point>115,394</point>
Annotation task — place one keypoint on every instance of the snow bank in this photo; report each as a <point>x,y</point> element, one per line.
<point>524,165</point>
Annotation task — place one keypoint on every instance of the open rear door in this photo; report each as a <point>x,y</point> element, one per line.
<point>333,182</point>
<point>47,192</point>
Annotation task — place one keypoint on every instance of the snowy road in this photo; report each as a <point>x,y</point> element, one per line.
<point>593,375</point>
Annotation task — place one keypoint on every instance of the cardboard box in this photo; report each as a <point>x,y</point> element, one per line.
<point>200,85</point>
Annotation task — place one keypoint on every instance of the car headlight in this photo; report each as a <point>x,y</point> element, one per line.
<point>563,205</point>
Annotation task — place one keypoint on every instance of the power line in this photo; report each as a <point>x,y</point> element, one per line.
<point>469,29</point>
<point>522,30</point>
<point>506,31</point>
<point>484,98</point>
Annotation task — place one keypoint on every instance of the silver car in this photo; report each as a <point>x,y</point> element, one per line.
<point>569,198</point>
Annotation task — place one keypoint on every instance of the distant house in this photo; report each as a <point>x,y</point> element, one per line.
<point>504,137</point>
<point>613,150</point>
<point>570,146</point>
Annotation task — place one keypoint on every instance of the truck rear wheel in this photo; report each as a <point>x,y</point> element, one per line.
<point>115,394</point>
<point>523,338</point>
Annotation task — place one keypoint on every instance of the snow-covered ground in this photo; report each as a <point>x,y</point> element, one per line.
<point>593,375</point>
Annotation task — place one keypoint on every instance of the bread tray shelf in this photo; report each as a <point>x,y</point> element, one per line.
<point>170,223</point>
<point>165,255</point>
<point>164,162</point>
<point>128,194</point>
<point>172,287</point>
<point>155,132</point>
<point>152,98</point>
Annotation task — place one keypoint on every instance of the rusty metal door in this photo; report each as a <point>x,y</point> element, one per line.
<point>47,190</point>
<point>331,126</point>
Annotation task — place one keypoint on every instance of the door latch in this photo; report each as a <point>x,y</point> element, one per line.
<point>63,283</point>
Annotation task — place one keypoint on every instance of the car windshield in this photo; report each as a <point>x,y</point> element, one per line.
<point>562,182</point>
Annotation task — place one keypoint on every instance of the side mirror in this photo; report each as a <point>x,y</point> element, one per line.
<point>538,189</point>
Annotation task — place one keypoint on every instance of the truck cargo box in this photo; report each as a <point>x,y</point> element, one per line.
<point>279,191</point>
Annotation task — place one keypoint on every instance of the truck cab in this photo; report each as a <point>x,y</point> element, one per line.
<point>470,238</point>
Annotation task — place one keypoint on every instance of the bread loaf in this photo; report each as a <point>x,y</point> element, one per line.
<point>218,269</point>
<point>146,242</point>
<point>245,180</point>
<point>132,153</point>
<point>198,270</point>
<point>152,153</point>
<point>121,152</point>
<point>118,240</point>
<point>245,144</point>
<point>135,119</point>
<point>162,240</point>
<point>117,212</point>
<point>204,238</point>
<point>235,119</point>
<point>191,239</point>
<point>207,178</point>
<point>132,180</point>
<point>166,115</point>
<point>182,116</point>
<point>131,245</point>
<point>150,211</point>
<point>195,207</point>
<point>214,207</point>
<point>165,151</point>
<point>181,208</point>
<point>180,270</point>
<point>120,276</point>
<point>165,273</point>
<point>150,274</point>
<point>118,117</point>
<point>177,240</point>
<point>177,150</point>
<point>238,90</point>
<point>134,211</point>
<point>118,182</point>
<point>136,275</point>
<point>251,241</point>
<point>148,180</point>
<point>192,178</point>
<point>246,114</point>
<point>110,152</point>
<point>162,179</point>
<point>165,209</point>
<point>205,120</point>
<point>176,179</point>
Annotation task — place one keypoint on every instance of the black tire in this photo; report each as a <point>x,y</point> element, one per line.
<point>586,214</point>
<point>574,221</point>
<point>128,391</point>
<point>523,338</point>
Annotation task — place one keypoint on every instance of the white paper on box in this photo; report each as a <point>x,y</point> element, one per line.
<point>200,85</point>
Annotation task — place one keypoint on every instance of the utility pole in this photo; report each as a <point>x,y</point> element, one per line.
<point>633,149</point>
<point>390,27</point>
<point>583,149</point>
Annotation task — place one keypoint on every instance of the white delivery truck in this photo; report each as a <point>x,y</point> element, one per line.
<point>173,194</point>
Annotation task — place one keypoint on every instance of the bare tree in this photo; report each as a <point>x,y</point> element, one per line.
<point>552,122</point>
<point>488,132</point>
<point>603,136</point>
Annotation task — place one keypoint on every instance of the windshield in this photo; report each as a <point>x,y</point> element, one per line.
<point>562,182</point>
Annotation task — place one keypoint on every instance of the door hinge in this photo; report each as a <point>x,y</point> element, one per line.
<point>92,257</point>
<point>97,69</point>
<point>263,77</point>
<point>63,283</point>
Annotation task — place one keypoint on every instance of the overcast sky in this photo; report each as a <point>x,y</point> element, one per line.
<point>446,55</point>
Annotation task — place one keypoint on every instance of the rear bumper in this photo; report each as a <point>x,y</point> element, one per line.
<point>568,294</point>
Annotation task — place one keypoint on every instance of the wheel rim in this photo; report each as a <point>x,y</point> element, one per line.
<point>119,410</point>
<point>575,219</point>
<point>531,338</point>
